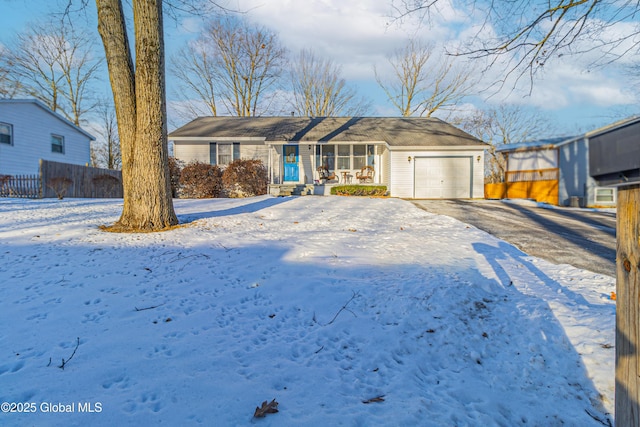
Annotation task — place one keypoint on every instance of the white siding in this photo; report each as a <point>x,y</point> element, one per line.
<point>198,151</point>
<point>191,152</point>
<point>533,160</point>
<point>403,171</point>
<point>32,130</point>
<point>385,160</point>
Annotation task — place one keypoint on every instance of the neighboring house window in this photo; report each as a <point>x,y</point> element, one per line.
<point>6,133</point>
<point>605,195</point>
<point>344,157</point>
<point>222,154</point>
<point>57,144</point>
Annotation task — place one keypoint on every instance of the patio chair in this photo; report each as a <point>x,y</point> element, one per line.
<point>325,175</point>
<point>366,174</point>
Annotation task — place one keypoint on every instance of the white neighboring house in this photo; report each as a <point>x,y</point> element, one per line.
<point>30,131</point>
<point>415,157</point>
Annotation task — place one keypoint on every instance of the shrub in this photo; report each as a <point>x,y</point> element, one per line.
<point>60,185</point>
<point>359,190</point>
<point>175,168</point>
<point>201,180</point>
<point>245,178</point>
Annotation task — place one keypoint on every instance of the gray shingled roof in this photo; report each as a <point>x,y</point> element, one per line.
<point>399,132</point>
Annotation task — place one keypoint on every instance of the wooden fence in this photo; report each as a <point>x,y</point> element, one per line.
<point>27,186</point>
<point>64,180</point>
<point>79,181</point>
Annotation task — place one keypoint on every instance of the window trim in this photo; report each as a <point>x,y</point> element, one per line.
<point>613,195</point>
<point>61,145</point>
<point>10,127</point>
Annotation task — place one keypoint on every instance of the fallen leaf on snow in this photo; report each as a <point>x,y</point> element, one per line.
<point>266,408</point>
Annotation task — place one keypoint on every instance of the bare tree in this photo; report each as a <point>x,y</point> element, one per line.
<point>319,91</point>
<point>233,65</point>
<point>195,68</point>
<point>55,63</point>
<point>106,150</point>
<point>250,61</point>
<point>530,33</point>
<point>9,85</point>
<point>139,98</point>
<point>423,82</point>
<point>505,124</point>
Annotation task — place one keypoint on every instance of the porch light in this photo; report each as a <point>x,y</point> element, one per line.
<point>478,159</point>
<point>409,158</point>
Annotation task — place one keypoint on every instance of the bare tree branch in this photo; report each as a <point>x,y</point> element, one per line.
<point>530,33</point>
<point>422,82</point>
<point>319,91</point>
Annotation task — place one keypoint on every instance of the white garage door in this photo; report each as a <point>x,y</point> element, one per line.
<point>442,177</point>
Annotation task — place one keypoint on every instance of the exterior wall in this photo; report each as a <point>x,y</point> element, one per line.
<point>532,160</point>
<point>32,130</point>
<point>574,171</point>
<point>575,180</point>
<point>385,160</point>
<point>192,151</point>
<point>306,153</point>
<point>402,170</point>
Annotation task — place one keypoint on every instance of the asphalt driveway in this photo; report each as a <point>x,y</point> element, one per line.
<point>583,238</point>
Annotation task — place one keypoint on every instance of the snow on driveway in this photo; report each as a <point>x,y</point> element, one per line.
<point>347,311</point>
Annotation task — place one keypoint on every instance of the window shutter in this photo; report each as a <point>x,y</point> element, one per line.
<point>213,153</point>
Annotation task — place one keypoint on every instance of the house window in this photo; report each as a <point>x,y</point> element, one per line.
<point>57,144</point>
<point>225,154</point>
<point>328,157</point>
<point>359,156</point>
<point>371,155</point>
<point>344,157</point>
<point>6,133</point>
<point>222,154</point>
<point>605,195</point>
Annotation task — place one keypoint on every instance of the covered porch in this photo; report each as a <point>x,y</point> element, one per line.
<point>323,165</point>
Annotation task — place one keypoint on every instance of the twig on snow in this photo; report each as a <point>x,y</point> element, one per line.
<point>64,362</point>
<point>149,308</point>
<point>608,423</point>
<point>344,307</point>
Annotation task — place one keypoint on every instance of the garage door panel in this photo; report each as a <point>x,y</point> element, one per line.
<point>442,177</point>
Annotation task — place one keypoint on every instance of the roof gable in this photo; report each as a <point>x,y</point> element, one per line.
<point>399,132</point>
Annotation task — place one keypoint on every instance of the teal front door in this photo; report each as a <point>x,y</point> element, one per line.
<point>291,171</point>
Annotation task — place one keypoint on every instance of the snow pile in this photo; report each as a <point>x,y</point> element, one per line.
<point>346,311</point>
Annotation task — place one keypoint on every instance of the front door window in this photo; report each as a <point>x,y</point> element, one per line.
<point>291,171</point>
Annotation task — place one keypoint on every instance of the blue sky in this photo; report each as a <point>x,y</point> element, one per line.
<point>572,94</point>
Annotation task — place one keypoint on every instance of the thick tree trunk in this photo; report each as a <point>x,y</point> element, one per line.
<point>628,307</point>
<point>139,99</point>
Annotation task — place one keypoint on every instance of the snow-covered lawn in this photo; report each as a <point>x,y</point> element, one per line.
<point>347,311</point>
